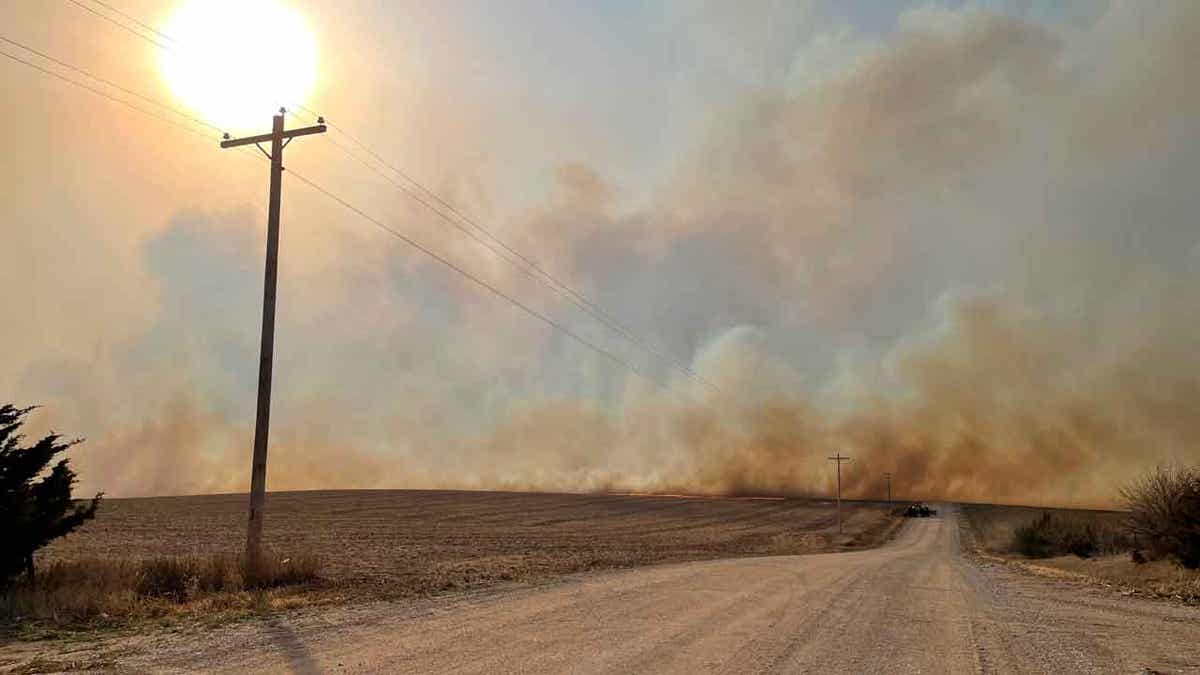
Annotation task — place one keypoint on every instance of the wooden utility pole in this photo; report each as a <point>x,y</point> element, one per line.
<point>888,476</point>
<point>279,138</point>
<point>839,459</point>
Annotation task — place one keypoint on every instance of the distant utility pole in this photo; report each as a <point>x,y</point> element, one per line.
<point>839,459</point>
<point>888,476</point>
<point>279,139</point>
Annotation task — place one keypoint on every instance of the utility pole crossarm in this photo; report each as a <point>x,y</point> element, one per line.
<point>266,138</point>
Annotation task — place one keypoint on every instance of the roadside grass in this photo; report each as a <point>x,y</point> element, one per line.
<point>1041,541</point>
<point>1156,578</point>
<point>1053,534</point>
<point>94,592</point>
<point>1045,532</point>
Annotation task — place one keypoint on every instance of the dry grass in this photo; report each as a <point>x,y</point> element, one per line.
<point>388,544</point>
<point>106,590</point>
<point>1056,534</point>
<point>1158,578</point>
<point>993,528</point>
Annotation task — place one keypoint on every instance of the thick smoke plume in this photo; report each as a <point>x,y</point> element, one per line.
<point>966,253</point>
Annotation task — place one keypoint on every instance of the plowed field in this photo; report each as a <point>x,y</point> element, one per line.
<point>405,541</point>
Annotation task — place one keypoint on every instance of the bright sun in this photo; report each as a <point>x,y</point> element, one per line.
<point>237,61</point>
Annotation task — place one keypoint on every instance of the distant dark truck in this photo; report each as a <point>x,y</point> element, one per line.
<point>919,511</point>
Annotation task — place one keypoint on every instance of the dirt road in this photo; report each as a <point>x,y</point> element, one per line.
<point>913,606</point>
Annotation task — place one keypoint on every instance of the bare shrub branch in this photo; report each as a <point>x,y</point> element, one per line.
<point>1164,514</point>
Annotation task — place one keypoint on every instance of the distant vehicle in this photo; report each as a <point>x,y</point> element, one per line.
<point>919,511</point>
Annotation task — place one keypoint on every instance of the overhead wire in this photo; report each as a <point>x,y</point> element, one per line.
<point>113,21</point>
<point>563,290</point>
<point>528,268</point>
<point>107,95</point>
<point>360,212</point>
<point>473,278</point>
<point>141,24</point>
<point>114,85</point>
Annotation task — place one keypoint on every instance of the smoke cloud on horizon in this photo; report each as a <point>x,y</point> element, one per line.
<point>966,252</point>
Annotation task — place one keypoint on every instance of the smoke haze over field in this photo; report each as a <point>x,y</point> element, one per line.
<point>955,243</point>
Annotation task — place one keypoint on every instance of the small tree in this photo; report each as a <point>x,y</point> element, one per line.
<point>1164,514</point>
<point>35,505</point>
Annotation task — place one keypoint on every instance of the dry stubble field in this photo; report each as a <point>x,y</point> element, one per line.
<point>394,543</point>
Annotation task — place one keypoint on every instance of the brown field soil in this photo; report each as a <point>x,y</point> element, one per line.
<point>992,528</point>
<point>405,543</point>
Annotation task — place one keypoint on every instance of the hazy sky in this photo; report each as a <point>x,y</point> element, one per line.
<point>956,240</point>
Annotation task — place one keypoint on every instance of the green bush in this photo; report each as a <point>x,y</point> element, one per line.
<point>36,506</point>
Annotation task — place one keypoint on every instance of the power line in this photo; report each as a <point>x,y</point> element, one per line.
<point>130,17</point>
<point>478,281</point>
<point>121,25</point>
<point>375,221</point>
<point>563,290</point>
<point>114,85</point>
<point>557,286</point>
<point>419,199</point>
<point>101,92</point>
<point>591,308</point>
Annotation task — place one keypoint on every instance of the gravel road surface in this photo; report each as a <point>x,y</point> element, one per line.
<point>913,606</point>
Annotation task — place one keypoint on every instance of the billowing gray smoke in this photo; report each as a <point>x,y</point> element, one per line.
<point>967,253</point>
